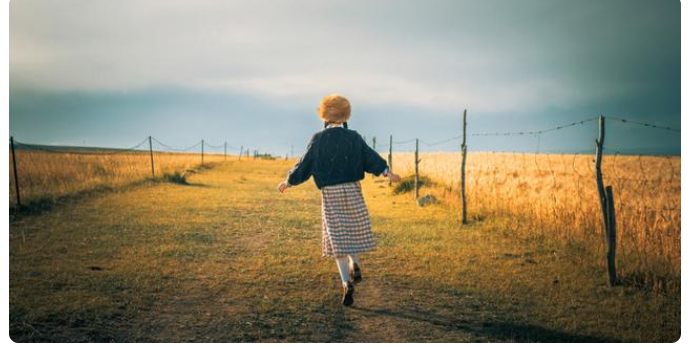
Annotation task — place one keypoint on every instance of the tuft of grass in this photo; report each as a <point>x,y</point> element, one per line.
<point>406,185</point>
<point>176,177</point>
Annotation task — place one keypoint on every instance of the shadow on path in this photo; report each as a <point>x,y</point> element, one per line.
<point>492,330</point>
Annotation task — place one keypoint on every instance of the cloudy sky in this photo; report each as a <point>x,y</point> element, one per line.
<point>109,73</point>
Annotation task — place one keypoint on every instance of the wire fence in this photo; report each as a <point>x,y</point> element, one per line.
<point>556,194</point>
<point>43,173</point>
<point>537,193</point>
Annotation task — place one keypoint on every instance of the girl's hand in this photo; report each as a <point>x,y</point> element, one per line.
<point>282,186</point>
<point>393,177</point>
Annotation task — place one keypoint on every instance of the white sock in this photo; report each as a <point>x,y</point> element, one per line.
<point>354,259</point>
<point>344,268</point>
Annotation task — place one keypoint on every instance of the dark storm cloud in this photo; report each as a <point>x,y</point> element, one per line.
<point>409,67</point>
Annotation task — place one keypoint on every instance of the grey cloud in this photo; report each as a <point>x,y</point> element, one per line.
<point>498,58</point>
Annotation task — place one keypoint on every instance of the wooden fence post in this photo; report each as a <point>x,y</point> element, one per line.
<point>390,157</point>
<point>225,151</point>
<point>611,237</point>
<point>600,181</point>
<point>16,178</point>
<point>607,208</point>
<point>241,150</point>
<point>153,172</point>
<point>462,169</point>
<point>202,152</point>
<point>416,169</point>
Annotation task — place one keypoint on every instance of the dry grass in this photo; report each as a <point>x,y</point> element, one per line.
<point>45,177</point>
<point>556,195</point>
<point>227,259</point>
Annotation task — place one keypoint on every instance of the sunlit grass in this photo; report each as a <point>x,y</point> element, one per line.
<point>556,196</point>
<point>226,258</point>
<point>47,176</point>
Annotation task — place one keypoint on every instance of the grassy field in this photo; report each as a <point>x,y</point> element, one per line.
<point>45,177</point>
<point>226,258</point>
<point>556,195</point>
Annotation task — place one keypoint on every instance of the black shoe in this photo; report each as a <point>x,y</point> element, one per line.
<point>348,293</point>
<point>355,273</point>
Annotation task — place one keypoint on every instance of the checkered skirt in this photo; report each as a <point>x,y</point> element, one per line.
<point>346,225</point>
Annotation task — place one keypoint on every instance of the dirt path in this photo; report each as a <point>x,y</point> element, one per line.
<point>227,259</point>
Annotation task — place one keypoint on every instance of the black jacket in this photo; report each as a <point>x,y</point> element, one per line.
<point>336,155</point>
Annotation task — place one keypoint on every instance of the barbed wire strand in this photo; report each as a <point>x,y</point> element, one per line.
<point>440,142</point>
<point>86,151</point>
<point>403,142</point>
<point>649,125</point>
<point>537,132</point>
<point>206,144</point>
<point>174,148</point>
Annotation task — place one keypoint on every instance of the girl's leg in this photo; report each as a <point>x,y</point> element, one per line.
<point>355,271</point>
<point>344,268</point>
<point>348,288</point>
<point>354,259</point>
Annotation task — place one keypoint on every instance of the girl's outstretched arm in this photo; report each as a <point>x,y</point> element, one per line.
<point>302,170</point>
<point>372,160</point>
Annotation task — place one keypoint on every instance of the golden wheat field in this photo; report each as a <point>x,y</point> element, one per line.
<point>45,176</point>
<point>556,195</point>
<point>551,195</point>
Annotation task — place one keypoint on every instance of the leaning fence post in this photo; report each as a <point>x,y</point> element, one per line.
<point>390,157</point>
<point>153,173</point>
<point>611,237</point>
<point>202,152</point>
<point>600,187</point>
<point>600,180</point>
<point>16,178</point>
<point>462,169</point>
<point>416,169</point>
